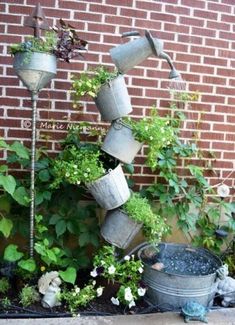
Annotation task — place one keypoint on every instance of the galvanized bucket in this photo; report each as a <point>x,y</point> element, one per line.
<point>113,100</point>
<point>127,56</point>
<point>167,289</point>
<point>118,229</point>
<point>120,142</point>
<point>111,190</point>
<point>35,69</point>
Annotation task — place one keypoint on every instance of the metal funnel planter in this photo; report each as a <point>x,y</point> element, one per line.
<point>188,273</point>
<point>113,100</point>
<point>118,229</point>
<point>127,56</point>
<point>120,142</point>
<point>35,69</point>
<point>111,190</point>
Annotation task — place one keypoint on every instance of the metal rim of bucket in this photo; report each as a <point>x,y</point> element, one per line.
<point>180,245</point>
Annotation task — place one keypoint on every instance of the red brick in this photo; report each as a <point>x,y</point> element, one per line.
<point>190,39</point>
<point>126,3</point>
<point>223,127</point>
<point>203,32</point>
<point>222,164</point>
<point>133,13</point>
<point>149,6</point>
<point>177,10</point>
<point>44,3</point>
<point>219,7</point>
<point>75,5</point>
<point>162,17</point>
<point>213,99</point>
<point>205,14</point>
<point>9,19</point>
<point>223,146</point>
<point>192,21</point>
<point>149,24</point>
<point>101,28</point>
<point>215,61</point>
<point>212,136</point>
<point>195,3</point>
<point>202,69</point>
<point>229,155</point>
<point>218,25</point>
<point>118,20</point>
<point>87,16</point>
<point>213,80</point>
<point>176,28</point>
<point>111,10</point>
<point>214,42</point>
<point>226,35</point>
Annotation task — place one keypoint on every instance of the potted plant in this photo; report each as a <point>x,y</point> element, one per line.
<point>40,53</point>
<point>108,90</point>
<point>124,276</point>
<point>83,164</point>
<point>125,137</point>
<point>121,225</point>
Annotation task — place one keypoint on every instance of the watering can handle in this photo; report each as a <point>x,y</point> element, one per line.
<point>128,34</point>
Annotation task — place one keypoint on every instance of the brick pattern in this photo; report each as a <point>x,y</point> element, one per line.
<point>198,35</point>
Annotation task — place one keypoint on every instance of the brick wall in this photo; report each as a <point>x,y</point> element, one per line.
<point>199,35</point>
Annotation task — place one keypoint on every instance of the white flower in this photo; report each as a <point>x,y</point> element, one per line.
<point>85,175</point>
<point>111,269</point>
<point>88,170</point>
<point>75,166</point>
<point>78,182</point>
<point>133,256</point>
<point>127,258</point>
<point>93,282</point>
<point>131,304</point>
<point>67,174</point>
<point>223,190</point>
<point>74,294</point>
<point>99,291</point>
<point>140,269</point>
<point>115,301</point>
<point>146,128</point>
<point>151,138</point>
<point>128,295</point>
<point>77,290</point>
<point>141,291</point>
<point>94,273</point>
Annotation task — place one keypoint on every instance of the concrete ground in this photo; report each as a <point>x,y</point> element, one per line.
<point>216,317</point>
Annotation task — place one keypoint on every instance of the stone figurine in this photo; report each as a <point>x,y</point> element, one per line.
<point>49,286</point>
<point>226,287</point>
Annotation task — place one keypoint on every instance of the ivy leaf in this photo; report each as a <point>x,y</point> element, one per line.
<point>8,183</point>
<point>69,275</point>
<point>54,219</point>
<point>3,144</point>
<point>5,205</point>
<point>20,150</point>
<point>11,253</point>
<point>21,196</point>
<point>60,227</point>
<point>6,226</point>
<point>84,239</point>
<point>28,265</point>
<point>3,168</point>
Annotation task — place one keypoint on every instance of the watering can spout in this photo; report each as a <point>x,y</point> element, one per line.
<point>174,74</point>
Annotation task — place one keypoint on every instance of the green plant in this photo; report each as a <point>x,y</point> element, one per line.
<point>126,273</point>
<point>29,295</point>
<point>78,165</point>
<point>80,297</point>
<point>63,42</point>
<point>4,285</point>
<point>89,83</point>
<point>11,188</point>
<point>154,131</point>
<point>139,209</point>
<point>5,302</point>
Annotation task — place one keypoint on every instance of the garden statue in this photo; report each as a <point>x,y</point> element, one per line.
<point>192,310</point>
<point>225,286</point>
<point>49,286</point>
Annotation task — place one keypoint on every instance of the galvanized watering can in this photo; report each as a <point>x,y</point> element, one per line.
<point>127,56</point>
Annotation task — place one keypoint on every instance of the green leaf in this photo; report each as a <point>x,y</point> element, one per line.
<point>54,219</point>
<point>129,168</point>
<point>3,144</point>
<point>8,182</point>
<point>60,227</point>
<point>3,168</point>
<point>84,239</point>
<point>21,196</point>
<point>6,226</point>
<point>44,175</point>
<point>28,265</point>
<point>11,253</point>
<point>20,150</point>
<point>5,205</point>
<point>69,275</point>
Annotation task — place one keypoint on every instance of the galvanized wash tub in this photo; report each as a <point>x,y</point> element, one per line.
<point>189,274</point>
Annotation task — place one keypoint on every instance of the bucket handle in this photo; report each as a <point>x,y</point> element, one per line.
<point>129,34</point>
